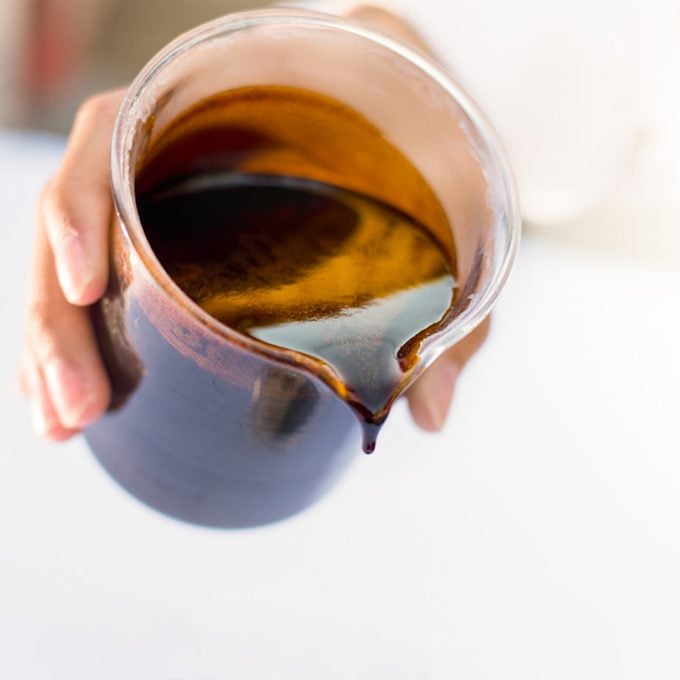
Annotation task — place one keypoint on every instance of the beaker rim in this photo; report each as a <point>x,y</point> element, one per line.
<point>122,177</point>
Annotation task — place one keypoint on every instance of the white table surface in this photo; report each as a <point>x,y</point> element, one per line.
<point>537,537</point>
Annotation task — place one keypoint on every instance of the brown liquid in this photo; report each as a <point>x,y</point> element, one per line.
<point>281,241</point>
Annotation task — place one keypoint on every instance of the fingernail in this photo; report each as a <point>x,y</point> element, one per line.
<point>440,385</point>
<point>74,268</point>
<point>71,393</point>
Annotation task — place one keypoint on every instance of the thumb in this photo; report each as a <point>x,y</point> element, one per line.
<point>429,398</point>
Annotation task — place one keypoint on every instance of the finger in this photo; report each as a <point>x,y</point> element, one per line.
<point>431,395</point>
<point>45,419</point>
<point>389,22</point>
<point>76,205</point>
<point>23,380</point>
<point>61,339</point>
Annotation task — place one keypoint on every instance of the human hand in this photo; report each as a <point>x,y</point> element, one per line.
<point>62,370</point>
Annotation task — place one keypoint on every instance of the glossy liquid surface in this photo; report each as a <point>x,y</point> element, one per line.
<point>293,260</point>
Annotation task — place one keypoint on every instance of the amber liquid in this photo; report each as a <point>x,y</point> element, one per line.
<point>325,268</point>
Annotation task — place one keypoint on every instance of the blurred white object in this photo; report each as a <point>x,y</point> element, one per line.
<point>585,95</point>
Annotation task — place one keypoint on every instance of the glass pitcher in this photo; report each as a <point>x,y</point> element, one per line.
<point>211,426</point>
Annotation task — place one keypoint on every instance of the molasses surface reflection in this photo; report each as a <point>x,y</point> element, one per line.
<point>252,230</point>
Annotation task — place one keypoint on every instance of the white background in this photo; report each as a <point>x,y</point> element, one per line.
<point>537,537</point>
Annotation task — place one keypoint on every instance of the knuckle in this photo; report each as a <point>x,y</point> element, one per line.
<point>42,325</point>
<point>55,204</point>
<point>51,197</point>
<point>45,191</point>
<point>94,108</point>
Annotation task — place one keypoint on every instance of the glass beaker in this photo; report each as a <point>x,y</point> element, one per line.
<point>214,427</point>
